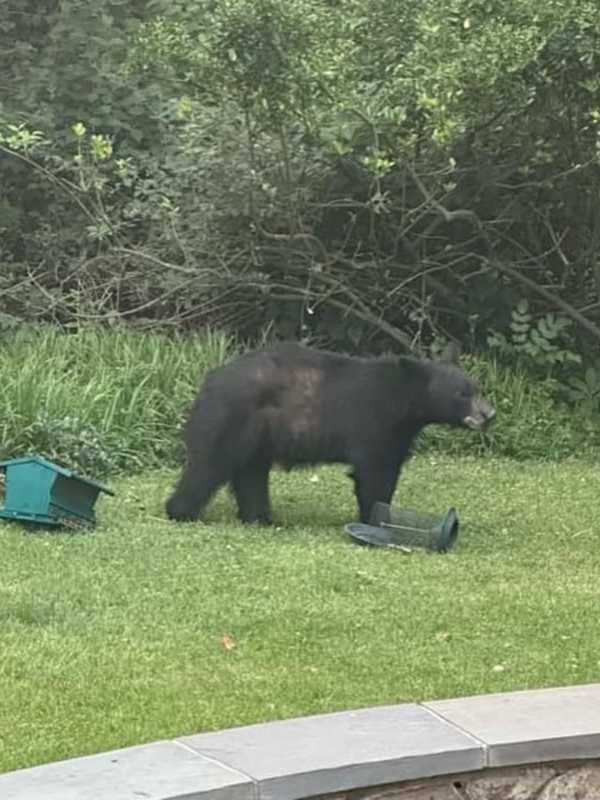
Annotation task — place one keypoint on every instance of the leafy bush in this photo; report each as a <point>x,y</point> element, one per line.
<point>540,345</point>
<point>392,172</point>
<point>68,440</point>
<point>584,390</point>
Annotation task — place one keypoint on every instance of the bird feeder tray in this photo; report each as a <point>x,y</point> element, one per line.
<point>38,491</point>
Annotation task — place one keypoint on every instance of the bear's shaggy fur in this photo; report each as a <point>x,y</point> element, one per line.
<point>292,405</point>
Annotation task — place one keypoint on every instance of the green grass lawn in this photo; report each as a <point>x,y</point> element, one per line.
<point>116,637</point>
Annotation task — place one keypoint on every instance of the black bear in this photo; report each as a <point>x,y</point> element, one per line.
<point>292,405</point>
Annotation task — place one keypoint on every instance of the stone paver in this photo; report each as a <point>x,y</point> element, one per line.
<point>315,755</point>
<point>529,726</point>
<point>362,749</point>
<point>158,771</point>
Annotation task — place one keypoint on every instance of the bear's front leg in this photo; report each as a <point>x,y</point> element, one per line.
<point>374,481</point>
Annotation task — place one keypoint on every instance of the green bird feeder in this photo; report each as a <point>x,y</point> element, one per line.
<point>407,528</point>
<point>38,491</point>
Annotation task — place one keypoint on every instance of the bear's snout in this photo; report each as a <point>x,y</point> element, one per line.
<point>480,415</point>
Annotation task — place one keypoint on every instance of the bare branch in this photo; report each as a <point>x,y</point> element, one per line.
<point>449,216</point>
<point>567,308</point>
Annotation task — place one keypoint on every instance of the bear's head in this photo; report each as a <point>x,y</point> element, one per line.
<point>453,397</point>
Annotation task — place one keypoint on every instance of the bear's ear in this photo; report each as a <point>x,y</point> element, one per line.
<point>451,353</point>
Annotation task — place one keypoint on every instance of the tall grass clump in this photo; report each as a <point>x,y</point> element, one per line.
<point>101,400</point>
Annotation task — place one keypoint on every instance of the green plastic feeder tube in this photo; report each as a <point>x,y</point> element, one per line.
<point>411,528</point>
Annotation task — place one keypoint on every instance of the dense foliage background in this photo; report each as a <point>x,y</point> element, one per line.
<point>181,178</point>
<point>368,175</point>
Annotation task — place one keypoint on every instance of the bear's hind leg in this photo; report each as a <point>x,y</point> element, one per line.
<point>251,490</point>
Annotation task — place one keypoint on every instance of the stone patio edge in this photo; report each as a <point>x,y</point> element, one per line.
<point>570,743</point>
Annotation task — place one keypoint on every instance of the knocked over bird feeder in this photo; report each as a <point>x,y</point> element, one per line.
<point>407,528</point>
<point>36,490</point>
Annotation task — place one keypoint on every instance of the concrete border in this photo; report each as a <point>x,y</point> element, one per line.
<point>365,748</point>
